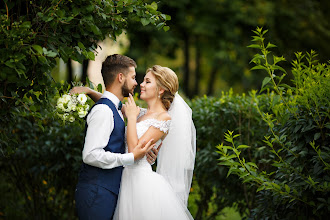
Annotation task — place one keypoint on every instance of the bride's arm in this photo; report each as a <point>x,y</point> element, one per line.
<point>132,111</point>
<point>94,95</point>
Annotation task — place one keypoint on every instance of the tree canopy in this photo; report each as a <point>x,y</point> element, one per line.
<point>35,33</point>
<point>207,42</point>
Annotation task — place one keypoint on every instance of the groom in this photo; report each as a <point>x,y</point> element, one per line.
<point>104,149</point>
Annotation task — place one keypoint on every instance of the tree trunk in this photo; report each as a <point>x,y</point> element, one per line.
<point>84,71</point>
<point>211,83</point>
<point>198,68</point>
<point>186,71</point>
<point>70,71</point>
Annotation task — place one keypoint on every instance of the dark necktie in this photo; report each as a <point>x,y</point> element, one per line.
<point>120,105</point>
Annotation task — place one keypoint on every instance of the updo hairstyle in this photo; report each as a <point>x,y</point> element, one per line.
<point>167,80</point>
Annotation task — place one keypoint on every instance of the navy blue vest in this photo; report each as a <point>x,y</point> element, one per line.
<point>107,178</point>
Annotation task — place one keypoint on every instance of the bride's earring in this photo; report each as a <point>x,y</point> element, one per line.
<point>159,96</point>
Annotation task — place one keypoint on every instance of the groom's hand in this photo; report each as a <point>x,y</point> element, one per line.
<point>152,154</point>
<point>140,150</point>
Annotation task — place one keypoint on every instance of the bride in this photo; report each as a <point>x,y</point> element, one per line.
<point>145,194</point>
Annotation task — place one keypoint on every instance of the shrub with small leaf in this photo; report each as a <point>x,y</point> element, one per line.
<point>296,186</point>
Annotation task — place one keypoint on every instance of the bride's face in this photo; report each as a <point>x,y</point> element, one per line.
<point>149,87</point>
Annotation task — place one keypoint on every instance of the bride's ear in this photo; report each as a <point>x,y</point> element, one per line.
<point>161,91</point>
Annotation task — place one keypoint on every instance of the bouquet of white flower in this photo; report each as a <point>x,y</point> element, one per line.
<point>71,107</point>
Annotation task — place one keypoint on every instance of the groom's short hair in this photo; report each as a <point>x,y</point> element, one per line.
<point>113,65</point>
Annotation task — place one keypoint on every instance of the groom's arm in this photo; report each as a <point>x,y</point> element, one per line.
<point>100,126</point>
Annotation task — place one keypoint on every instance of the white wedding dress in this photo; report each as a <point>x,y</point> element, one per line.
<point>144,194</point>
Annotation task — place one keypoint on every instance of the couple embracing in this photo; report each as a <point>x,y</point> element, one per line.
<point>116,180</point>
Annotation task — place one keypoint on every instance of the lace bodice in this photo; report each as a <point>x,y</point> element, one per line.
<point>141,128</point>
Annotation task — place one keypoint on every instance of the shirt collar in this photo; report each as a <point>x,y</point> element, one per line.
<point>112,97</point>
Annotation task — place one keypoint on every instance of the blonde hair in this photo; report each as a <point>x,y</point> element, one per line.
<point>167,80</point>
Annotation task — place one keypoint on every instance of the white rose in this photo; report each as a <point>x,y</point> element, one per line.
<point>66,98</point>
<point>60,106</point>
<point>60,101</point>
<point>71,119</point>
<point>72,106</point>
<point>82,113</point>
<point>86,107</point>
<point>82,98</point>
<point>68,108</point>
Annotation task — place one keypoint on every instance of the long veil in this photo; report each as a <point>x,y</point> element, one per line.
<point>176,157</point>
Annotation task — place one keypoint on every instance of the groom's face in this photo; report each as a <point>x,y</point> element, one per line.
<point>129,83</point>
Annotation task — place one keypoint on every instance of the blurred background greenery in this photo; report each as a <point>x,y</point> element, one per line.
<point>207,42</point>
<point>206,46</point>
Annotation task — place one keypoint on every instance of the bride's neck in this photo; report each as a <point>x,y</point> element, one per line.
<point>156,106</point>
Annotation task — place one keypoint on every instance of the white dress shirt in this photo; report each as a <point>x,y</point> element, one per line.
<point>100,123</point>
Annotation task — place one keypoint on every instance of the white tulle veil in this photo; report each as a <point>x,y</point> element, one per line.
<point>176,157</point>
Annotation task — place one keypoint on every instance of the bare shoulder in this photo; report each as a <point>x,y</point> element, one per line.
<point>164,116</point>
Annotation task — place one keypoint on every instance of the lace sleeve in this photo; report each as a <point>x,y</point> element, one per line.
<point>163,126</point>
<point>142,112</point>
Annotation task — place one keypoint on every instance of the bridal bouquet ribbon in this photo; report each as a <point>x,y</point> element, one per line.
<point>72,107</point>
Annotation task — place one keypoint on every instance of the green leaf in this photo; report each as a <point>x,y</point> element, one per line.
<point>130,9</point>
<point>257,46</point>
<point>225,163</point>
<point>252,165</point>
<point>259,67</point>
<point>10,63</point>
<point>26,24</point>
<point>91,55</point>
<point>166,28</point>
<point>168,17</point>
<point>96,30</point>
<point>38,49</point>
<point>81,46</point>
<point>317,136</point>
<point>242,146</point>
<point>160,25</point>
<point>20,72</point>
<point>287,188</point>
<point>145,21</point>
<point>262,187</point>
<point>33,108</point>
<point>99,88</point>
<point>279,68</point>
<point>89,83</point>
<point>51,54</point>
<point>152,6</point>
<point>269,45</point>
<point>265,81</point>
<point>42,59</point>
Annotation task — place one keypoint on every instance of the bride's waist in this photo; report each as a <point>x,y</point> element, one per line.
<point>140,165</point>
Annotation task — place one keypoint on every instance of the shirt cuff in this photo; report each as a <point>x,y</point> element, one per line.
<point>128,159</point>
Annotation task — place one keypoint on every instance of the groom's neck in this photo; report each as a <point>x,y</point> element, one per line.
<point>116,90</point>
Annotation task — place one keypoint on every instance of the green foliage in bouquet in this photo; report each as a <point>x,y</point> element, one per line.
<point>296,185</point>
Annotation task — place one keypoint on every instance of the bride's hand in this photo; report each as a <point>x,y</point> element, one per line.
<point>131,110</point>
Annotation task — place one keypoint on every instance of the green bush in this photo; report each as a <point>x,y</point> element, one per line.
<point>212,117</point>
<point>296,186</point>
<point>38,178</point>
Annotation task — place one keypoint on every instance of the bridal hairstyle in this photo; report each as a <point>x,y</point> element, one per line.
<point>113,65</point>
<point>167,80</point>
